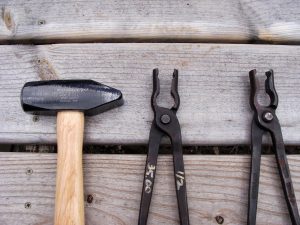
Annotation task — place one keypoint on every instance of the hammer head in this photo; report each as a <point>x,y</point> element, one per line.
<point>88,96</point>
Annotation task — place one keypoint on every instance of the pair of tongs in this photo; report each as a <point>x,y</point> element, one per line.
<point>165,123</point>
<point>265,120</point>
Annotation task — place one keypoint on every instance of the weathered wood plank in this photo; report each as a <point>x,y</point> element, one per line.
<point>213,85</point>
<point>217,186</point>
<point>217,21</point>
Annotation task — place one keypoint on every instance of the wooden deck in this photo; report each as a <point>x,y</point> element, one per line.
<point>217,186</point>
<point>213,79</point>
<point>244,21</point>
<point>214,44</point>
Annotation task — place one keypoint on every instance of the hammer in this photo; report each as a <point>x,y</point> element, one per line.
<point>70,100</point>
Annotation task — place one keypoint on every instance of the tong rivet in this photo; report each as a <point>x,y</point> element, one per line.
<point>268,116</point>
<point>165,119</point>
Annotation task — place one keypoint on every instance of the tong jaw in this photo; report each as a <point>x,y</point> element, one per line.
<point>270,89</point>
<point>174,90</point>
<point>265,114</point>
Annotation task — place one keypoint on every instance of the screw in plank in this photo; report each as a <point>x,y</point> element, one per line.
<point>41,22</point>
<point>35,118</point>
<point>219,219</point>
<point>90,199</point>
<point>27,205</point>
<point>29,171</point>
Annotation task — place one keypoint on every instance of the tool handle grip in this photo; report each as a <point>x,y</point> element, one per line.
<point>285,176</point>
<point>256,143</point>
<point>69,203</point>
<point>180,181</point>
<point>149,176</point>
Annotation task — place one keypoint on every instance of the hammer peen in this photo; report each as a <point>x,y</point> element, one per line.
<point>70,100</point>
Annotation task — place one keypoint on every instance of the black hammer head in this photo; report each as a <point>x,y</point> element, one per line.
<point>88,96</point>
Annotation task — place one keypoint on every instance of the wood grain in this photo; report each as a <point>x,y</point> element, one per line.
<point>69,204</point>
<point>197,21</point>
<point>217,186</point>
<point>213,86</point>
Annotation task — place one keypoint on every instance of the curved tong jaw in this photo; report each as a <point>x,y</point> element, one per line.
<point>174,90</point>
<point>269,87</point>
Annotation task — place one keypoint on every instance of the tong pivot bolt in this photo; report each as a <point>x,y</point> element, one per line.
<point>268,116</point>
<point>165,119</point>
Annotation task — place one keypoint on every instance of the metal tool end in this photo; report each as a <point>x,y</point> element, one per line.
<point>156,88</point>
<point>174,90</point>
<point>88,96</point>
<point>254,89</point>
<point>270,89</point>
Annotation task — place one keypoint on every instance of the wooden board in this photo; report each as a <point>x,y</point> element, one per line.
<point>213,86</point>
<point>217,186</point>
<point>197,21</point>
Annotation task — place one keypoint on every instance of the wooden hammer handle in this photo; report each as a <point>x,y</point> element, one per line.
<point>69,203</point>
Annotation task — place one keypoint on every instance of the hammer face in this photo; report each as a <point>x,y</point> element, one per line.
<point>88,96</point>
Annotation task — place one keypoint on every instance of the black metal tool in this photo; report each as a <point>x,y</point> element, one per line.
<point>265,120</point>
<point>52,96</point>
<point>165,123</point>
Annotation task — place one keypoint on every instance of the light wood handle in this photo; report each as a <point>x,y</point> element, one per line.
<point>69,204</point>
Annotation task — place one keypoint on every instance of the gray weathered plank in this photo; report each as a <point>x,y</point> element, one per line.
<point>213,85</point>
<point>217,186</point>
<point>218,20</point>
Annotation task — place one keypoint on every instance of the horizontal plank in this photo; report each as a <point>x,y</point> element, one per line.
<point>217,186</point>
<point>213,86</point>
<point>45,21</point>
